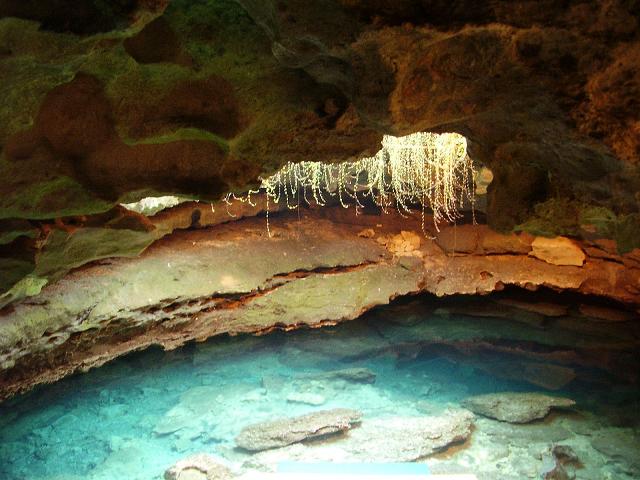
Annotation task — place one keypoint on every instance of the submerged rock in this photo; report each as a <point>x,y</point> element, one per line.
<point>198,467</point>
<point>385,439</point>
<point>406,439</point>
<point>559,463</point>
<point>353,375</point>
<point>515,407</point>
<point>282,432</point>
<point>622,446</point>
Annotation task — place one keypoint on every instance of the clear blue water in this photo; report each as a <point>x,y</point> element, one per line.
<point>117,421</point>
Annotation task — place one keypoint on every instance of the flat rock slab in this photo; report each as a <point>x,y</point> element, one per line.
<point>515,407</point>
<point>406,439</point>
<point>384,439</point>
<point>282,432</point>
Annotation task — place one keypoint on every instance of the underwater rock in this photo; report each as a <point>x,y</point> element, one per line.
<point>385,439</point>
<point>606,314</point>
<point>558,251</point>
<point>621,445</point>
<point>200,466</point>
<point>559,463</point>
<point>307,398</point>
<point>406,439</point>
<point>515,407</point>
<point>353,375</point>
<point>545,375</point>
<point>194,405</point>
<point>279,433</point>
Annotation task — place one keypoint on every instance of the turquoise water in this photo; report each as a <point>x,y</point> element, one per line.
<point>136,416</point>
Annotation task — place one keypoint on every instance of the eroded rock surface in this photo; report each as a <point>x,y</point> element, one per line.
<point>233,278</point>
<point>283,432</point>
<point>515,407</point>
<point>388,439</point>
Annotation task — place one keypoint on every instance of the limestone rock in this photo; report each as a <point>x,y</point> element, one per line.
<point>406,243</point>
<point>406,439</point>
<point>557,251</point>
<point>198,467</point>
<point>515,407</point>
<point>282,432</point>
<point>385,439</point>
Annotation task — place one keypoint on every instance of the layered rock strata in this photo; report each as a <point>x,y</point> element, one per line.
<point>234,279</point>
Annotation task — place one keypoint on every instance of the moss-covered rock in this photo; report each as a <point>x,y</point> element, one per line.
<point>561,216</point>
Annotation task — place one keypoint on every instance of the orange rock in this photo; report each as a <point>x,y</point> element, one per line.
<point>557,251</point>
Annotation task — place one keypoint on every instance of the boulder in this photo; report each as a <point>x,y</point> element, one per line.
<point>557,251</point>
<point>515,407</point>
<point>406,439</point>
<point>200,466</point>
<point>285,431</point>
<point>383,439</point>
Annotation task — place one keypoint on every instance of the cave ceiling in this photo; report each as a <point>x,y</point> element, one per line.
<point>110,102</point>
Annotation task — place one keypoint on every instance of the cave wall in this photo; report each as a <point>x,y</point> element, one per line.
<point>109,102</point>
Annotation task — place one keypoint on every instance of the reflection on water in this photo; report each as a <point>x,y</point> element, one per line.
<point>137,416</point>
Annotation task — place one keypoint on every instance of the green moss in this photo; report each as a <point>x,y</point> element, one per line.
<point>58,197</point>
<point>65,251</point>
<point>566,217</point>
<point>12,270</point>
<point>182,134</point>
<point>557,216</point>
<point>8,237</point>
<point>627,232</point>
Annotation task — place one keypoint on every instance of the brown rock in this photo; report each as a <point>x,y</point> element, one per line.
<point>459,239</point>
<point>557,251</point>
<point>497,243</point>
<point>606,314</point>
<point>543,308</point>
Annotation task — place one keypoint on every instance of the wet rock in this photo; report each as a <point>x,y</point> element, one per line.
<point>353,375</point>
<point>406,439</point>
<point>279,433</point>
<point>194,405</point>
<point>621,445</point>
<point>198,467</point>
<point>515,407</point>
<point>385,439</point>
<point>606,314</point>
<point>558,251</point>
<point>559,463</point>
